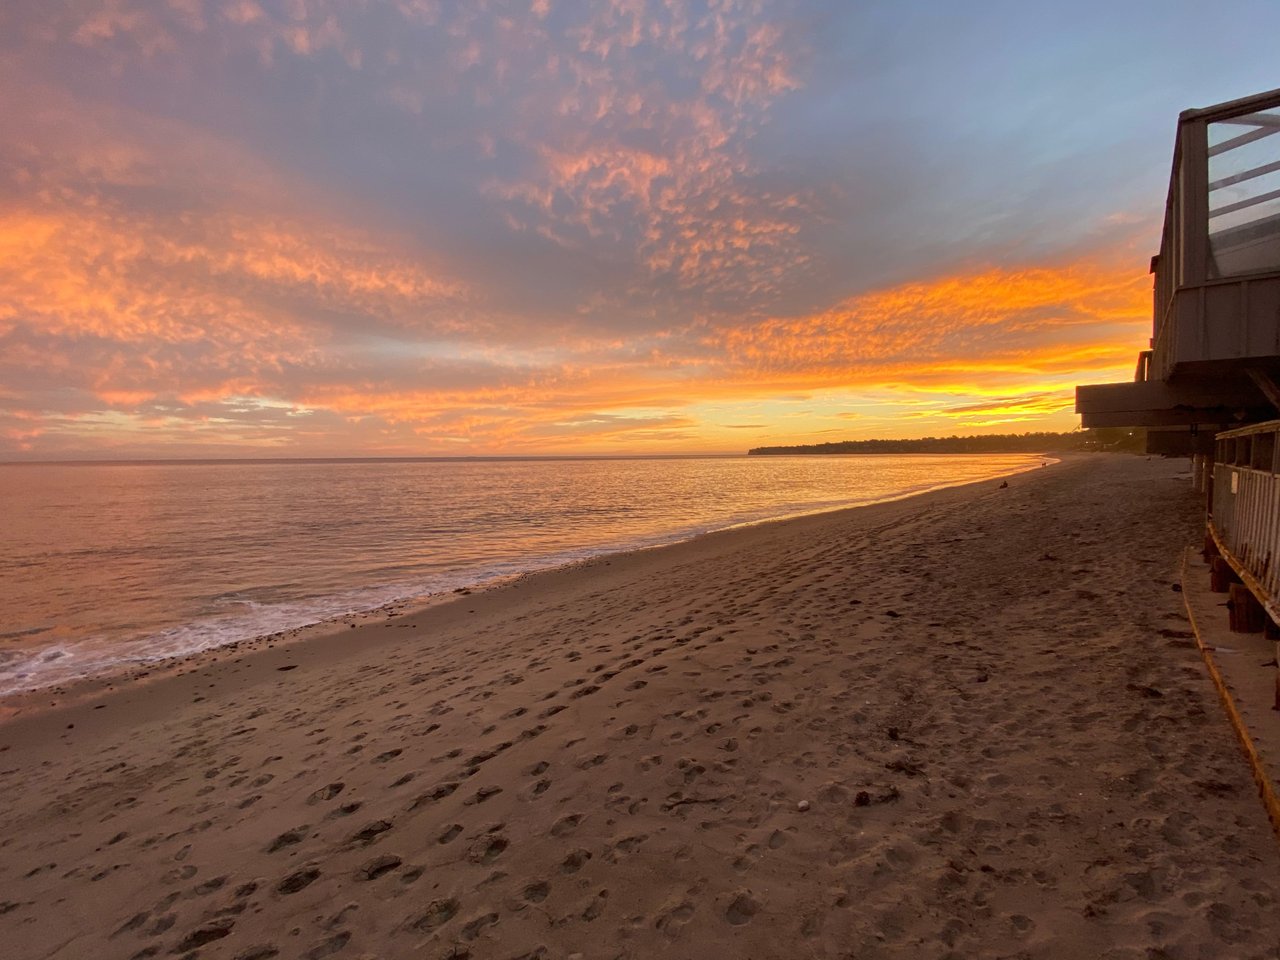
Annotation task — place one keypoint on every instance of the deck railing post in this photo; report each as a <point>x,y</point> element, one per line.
<point>1193,197</point>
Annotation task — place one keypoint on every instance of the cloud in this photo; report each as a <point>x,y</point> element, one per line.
<point>652,164</point>
<point>189,352</point>
<point>424,226</point>
<point>986,315</point>
<point>1047,402</point>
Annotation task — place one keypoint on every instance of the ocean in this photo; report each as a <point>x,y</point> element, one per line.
<point>106,566</point>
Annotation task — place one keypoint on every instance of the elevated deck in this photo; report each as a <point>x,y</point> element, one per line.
<point>1214,355</point>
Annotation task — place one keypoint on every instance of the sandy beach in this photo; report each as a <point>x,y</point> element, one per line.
<point>966,724</point>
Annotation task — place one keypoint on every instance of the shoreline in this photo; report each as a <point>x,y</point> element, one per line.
<point>964,724</point>
<point>147,671</point>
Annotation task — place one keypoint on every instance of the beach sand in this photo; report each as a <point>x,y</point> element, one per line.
<point>967,724</point>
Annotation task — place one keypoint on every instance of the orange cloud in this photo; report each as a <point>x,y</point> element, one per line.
<point>92,270</point>
<point>989,316</point>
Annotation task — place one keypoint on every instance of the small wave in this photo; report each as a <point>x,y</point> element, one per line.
<point>28,632</point>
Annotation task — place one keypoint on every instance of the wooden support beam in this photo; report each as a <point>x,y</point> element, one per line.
<point>1157,403</point>
<point>1217,393</point>
<point>1186,417</point>
<point>1193,196</point>
<point>1221,575</point>
<point>1271,630</point>
<point>1245,612</point>
<point>1266,385</point>
<point>1254,120</point>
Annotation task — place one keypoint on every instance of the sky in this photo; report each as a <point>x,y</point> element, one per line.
<point>238,228</point>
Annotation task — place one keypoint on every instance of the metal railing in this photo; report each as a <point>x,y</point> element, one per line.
<point>1221,229</point>
<point>1245,511</point>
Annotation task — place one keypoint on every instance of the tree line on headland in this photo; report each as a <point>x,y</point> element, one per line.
<point>1110,439</point>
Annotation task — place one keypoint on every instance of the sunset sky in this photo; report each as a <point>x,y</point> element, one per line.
<point>330,227</point>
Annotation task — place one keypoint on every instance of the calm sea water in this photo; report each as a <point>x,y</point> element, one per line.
<point>110,565</point>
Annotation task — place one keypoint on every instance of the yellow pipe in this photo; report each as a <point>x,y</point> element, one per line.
<point>1266,789</point>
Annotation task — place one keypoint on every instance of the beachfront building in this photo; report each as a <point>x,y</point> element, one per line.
<point>1208,385</point>
<point>1213,361</point>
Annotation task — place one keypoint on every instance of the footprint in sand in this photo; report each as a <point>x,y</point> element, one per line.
<point>536,789</point>
<point>626,846</point>
<point>207,933</point>
<point>328,947</point>
<point>288,839</point>
<point>373,869</point>
<point>487,849</point>
<point>298,880</point>
<point>369,832</point>
<point>162,925</point>
<point>474,927</point>
<point>481,795</point>
<point>673,918</point>
<point>741,909</point>
<point>346,810</point>
<point>438,792</point>
<point>326,793</point>
<point>438,913</point>
<point>209,886</point>
<point>595,906</point>
<point>566,825</point>
<point>133,923</point>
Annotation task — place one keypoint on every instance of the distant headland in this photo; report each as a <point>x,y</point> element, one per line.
<point>1131,441</point>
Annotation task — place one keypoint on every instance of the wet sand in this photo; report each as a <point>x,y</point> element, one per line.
<point>968,724</point>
